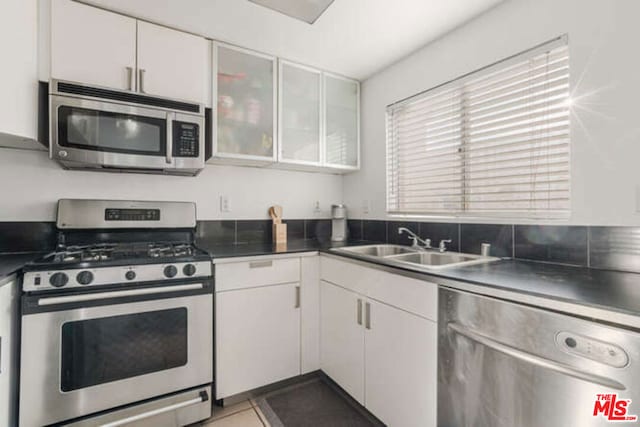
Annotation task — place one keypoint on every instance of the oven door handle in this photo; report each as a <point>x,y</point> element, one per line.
<point>117,294</point>
<point>202,398</point>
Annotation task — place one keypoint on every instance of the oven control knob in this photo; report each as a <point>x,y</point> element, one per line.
<point>189,270</point>
<point>130,275</point>
<point>84,277</point>
<point>58,280</point>
<point>170,271</point>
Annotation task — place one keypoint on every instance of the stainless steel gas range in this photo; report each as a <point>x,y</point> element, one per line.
<point>117,324</point>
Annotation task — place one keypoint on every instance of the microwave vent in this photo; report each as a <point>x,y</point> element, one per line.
<point>94,92</point>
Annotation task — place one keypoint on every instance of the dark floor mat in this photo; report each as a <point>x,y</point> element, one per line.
<point>314,403</point>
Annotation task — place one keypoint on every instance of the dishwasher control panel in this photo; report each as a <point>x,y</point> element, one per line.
<point>590,348</point>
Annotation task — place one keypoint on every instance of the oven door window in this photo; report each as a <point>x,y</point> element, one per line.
<point>98,351</point>
<point>111,132</point>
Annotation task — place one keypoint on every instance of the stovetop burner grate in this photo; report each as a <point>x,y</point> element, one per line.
<point>114,251</point>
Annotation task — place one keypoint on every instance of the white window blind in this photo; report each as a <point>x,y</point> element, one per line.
<point>494,143</point>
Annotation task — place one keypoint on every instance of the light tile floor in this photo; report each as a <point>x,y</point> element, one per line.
<point>242,414</point>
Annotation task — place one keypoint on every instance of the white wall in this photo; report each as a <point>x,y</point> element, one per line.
<point>605,83</point>
<point>31,183</point>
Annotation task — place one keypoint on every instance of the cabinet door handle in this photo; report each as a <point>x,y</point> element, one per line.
<point>297,297</point>
<point>359,317</point>
<point>129,78</point>
<point>367,316</point>
<point>141,79</point>
<point>260,264</point>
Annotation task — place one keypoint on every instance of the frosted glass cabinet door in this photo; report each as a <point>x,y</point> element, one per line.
<point>246,108</point>
<point>341,118</point>
<point>300,121</point>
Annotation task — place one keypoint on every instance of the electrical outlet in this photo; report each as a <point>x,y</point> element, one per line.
<point>224,204</point>
<point>316,208</point>
<point>366,206</point>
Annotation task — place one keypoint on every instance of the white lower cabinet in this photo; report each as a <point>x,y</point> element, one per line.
<point>401,367</point>
<point>266,321</point>
<point>342,338</point>
<point>8,349</point>
<point>373,332</point>
<point>257,336</point>
<point>383,353</point>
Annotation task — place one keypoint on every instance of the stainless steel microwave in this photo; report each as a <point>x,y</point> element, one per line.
<point>105,129</point>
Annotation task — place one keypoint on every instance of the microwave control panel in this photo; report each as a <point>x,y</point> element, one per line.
<point>186,139</point>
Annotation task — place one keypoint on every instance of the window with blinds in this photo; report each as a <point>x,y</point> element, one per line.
<point>494,143</point>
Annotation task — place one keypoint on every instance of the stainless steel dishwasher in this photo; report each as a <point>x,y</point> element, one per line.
<point>507,364</point>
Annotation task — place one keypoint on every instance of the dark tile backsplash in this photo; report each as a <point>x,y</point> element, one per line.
<point>559,244</point>
<point>355,229</point>
<point>401,239</point>
<point>441,231</point>
<point>254,231</point>
<point>499,236</point>
<point>216,232</point>
<point>27,236</point>
<point>611,248</point>
<point>374,230</point>
<point>615,248</point>
<point>295,228</point>
<point>226,232</point>
<point>319,229</point>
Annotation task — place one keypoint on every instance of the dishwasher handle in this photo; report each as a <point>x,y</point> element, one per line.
<point>534,359</point>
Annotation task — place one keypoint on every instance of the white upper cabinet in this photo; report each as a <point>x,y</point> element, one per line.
<point>92,46</point>
<point>318,119</point>
<point>19,72</point>
<point>101,48</point>
<point>171,63</point>
<point>341,113</point>
<point>244,84</point>
<point>300,130</point>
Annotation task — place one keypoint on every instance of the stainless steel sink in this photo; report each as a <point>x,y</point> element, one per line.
<point>377,250</point>
<point>441,259</point>
<point>417,259</point>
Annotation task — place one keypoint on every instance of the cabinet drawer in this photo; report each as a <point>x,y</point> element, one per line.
<point>258,272</point>
<point>413,295</point>
<point>342,273</point>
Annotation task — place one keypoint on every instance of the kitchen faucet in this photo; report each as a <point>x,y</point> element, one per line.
<point>442,247</point>
<point>413,236</point>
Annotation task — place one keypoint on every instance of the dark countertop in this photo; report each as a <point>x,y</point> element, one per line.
<point>11,263</point>
<point>292,246</point>
<point>609,290</point>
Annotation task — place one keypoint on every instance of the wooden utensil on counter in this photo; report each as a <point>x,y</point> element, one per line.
<point>273,216</point>
<point>277,209</point>
<point>279,229</point>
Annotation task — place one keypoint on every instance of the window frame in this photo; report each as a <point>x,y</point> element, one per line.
<point>459,85</point>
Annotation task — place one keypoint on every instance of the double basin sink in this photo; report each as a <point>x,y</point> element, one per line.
<point>415,258</point>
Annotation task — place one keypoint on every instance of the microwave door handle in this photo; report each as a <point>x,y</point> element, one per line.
<point>169,153</point>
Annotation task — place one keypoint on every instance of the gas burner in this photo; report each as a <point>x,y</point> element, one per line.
<point>117,252</point>
<point>99,252</point>
<point>169,250</point>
